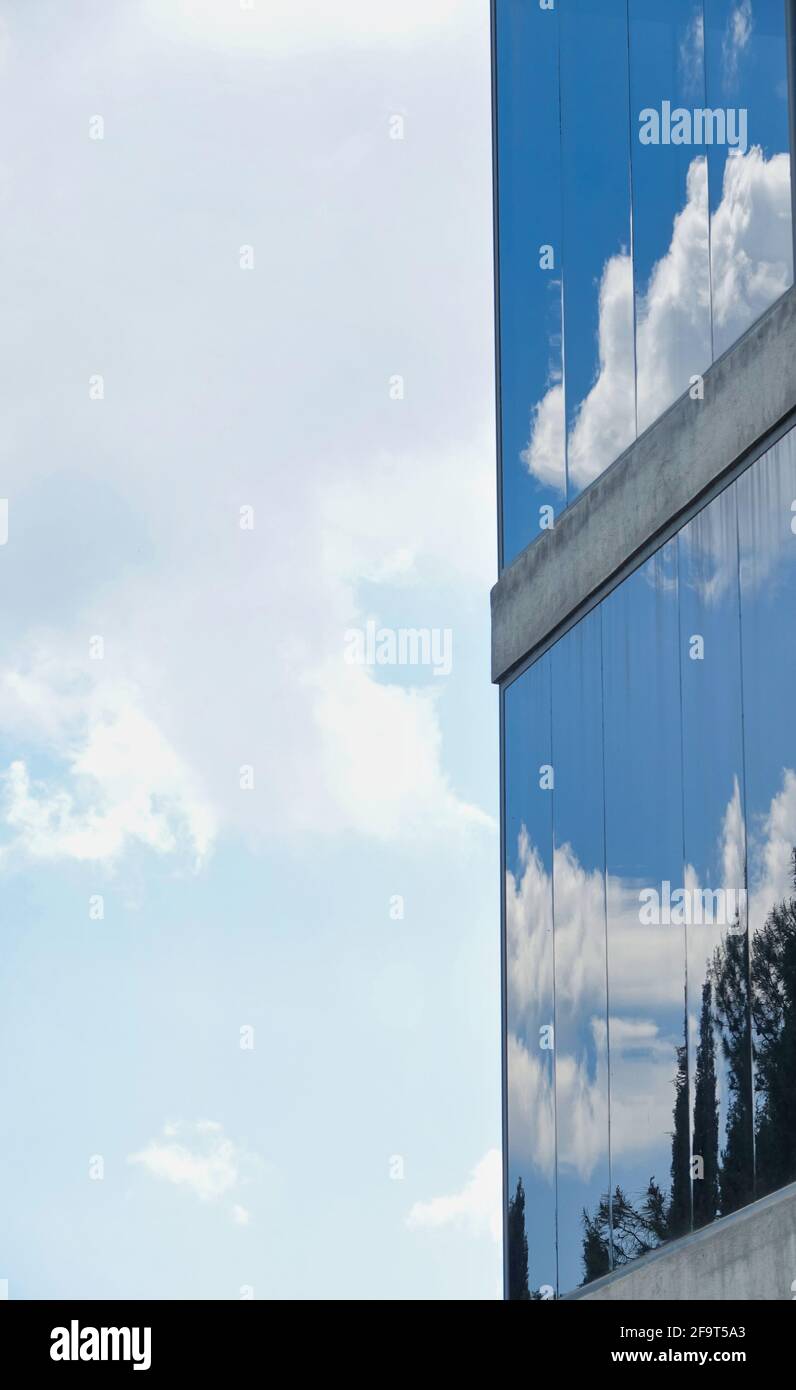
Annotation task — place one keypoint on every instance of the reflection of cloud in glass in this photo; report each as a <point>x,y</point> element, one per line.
<point>605,420</point>
<point>771,845</point>
<point>691,56</point>
<point>751,240</point>
<point>530,1106</point>
<point>529,921</point>
<point>641,1098</point>
<point>736,39</point>
<point>751,260</point>
<point>765,542</point>
<point>641,1087</point>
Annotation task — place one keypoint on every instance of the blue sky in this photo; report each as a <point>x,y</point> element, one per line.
<point>269,1169</point>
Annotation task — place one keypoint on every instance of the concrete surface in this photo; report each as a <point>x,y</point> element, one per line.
<point>749,393</point>
<point>750,1255</point>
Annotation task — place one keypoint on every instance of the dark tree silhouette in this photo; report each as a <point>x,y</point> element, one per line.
<point>748,985</point>
<point>706,1114</point>
<point>517,1245</point>
<point>635,1230</point>
<point>596,1242</point>
<point>732,1014</point>
<point>675,1219</point>
<point>631,1228</point>
<point>774,1014</point>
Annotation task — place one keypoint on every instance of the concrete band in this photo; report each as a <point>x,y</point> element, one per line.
<point>748,1255</point>
<point>640,499</point>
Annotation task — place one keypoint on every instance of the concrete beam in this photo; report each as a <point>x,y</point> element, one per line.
<point>616,522</point>
<point>750,1255</point>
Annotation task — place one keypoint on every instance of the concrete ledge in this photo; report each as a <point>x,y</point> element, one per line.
<point>748,392</point>
<point>750,1255</point>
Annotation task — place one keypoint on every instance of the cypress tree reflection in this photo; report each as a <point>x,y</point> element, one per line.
<point>774,1012</point>
<point>732,1017</point>
<point>635,1227</point>
<point>706,1114</point>
<point>677,1218</point>
<point>518,1245</point>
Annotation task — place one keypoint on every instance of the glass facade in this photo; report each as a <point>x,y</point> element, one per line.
<point>650,899</point>
<point>643,222</point>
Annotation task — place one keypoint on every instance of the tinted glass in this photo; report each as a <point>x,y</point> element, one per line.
<point>750,224</point>
<point>651,843</point>
<point>650,1197</point>
<point>715,856</point>
<point>581,1010</point>
<point>671,261</point>
<point>529,965</point>
<point>598,278</point>
<point>530,251</point>
<point>644,214</point>
<point>767,522</point>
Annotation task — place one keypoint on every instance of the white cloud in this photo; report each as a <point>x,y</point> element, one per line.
<point>382,755</point>
<point>478,1206</point>
<point>529,924</point>
<point>579,940</point>
<point>240,1215</point>
<point>736,38</point>
<point>122,781</point>
<point>673,314</point>
<point>232,642</point>
<point>580,944</point>
<point>751,262</point>
<point>692,53</point>
<point>279,26</point>
<point>606,420</point>
<point>733,842</point>
<point>531,1105</point>
<point>544,452</point>
<point>204,1162</point>
<point>154,755</point>
<point>750,241</point>
<point>771,853</point>
<point>646,971</point>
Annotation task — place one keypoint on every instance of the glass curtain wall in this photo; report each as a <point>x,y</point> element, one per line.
<point>643,222</point>
<point>650,880</point>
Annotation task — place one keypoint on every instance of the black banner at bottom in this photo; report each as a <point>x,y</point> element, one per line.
<point>167,1338</point>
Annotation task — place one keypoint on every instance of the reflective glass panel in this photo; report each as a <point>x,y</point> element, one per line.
<point>671,261</point>
<point>746,130</point>
<point>650,1183</point>
<point>529,966</point>
<point>530,253</point>
<point>719,1039</point>
<point>767,523</point>
<point>581,1015</point>
<point>599,365</point>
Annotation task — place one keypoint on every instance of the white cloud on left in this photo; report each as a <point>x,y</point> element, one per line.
<point>122,781</point>
<point>198,1157</point>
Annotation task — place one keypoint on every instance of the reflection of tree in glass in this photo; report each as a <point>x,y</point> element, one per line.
<point>706,1114</point>
<point>676,1220</point>
<point>517,1245</point>
<point>636,1228</point>
<point>731,1015</point>
<point>518,1250</point>
<point>774,1012</point>
<point>726,1182</point>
